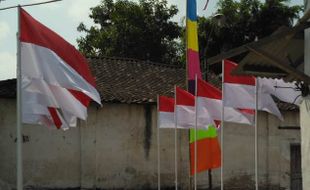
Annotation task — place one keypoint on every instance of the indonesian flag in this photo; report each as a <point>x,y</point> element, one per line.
<point>210,98</point>
<point>239,92</point>
<point>57,85</point>
<point>166,112</point>
<point>186,113</point>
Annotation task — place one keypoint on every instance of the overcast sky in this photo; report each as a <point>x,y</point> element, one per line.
<point>63,17</point>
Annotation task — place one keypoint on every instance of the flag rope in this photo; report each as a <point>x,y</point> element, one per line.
<point>28,5</point>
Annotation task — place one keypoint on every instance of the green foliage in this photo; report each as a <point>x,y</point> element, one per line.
<point>129,29</point>
<point>242,22</point>
<point>144,30</point>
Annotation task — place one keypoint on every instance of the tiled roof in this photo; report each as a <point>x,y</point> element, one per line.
<point>132,81</point>
<point>135,81</point>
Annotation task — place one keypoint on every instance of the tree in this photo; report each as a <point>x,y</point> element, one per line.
<point>242,22</point>
<point>140,30</point>
<point>143,29</point>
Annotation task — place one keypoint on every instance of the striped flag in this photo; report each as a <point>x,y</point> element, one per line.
<point>55,74</point>
<point>240,92</point>
<point>186,111</point>
<point>166,112</point>
<point>210,98</point>
<point>193,69</point>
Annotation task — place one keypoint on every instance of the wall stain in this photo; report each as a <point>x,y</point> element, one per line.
<point>147,129</point>
<point>26,139</point>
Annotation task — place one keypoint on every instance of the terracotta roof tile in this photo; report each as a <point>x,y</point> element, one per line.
<point>134,81</point>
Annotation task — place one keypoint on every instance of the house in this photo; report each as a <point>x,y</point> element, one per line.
<point>116,148</point>
<point>284,54</point>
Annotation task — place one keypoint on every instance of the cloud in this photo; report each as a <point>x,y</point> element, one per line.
<point>7,65</point>
<point>4,30</point>
<point>53,5</point>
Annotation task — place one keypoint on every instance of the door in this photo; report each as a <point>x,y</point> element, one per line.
<point>296,177</point>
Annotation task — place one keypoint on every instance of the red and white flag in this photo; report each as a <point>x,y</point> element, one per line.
<point>186,112</point>
<point>239,92</point>
<point>210,98</point>
<point>166,112</point>
<point>55,74</point>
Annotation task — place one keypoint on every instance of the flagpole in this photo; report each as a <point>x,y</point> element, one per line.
<point>19,159</point>
<point>222,130</point>
<point>158,145</point>
<point>195,172</point>
<point>175,141</point>
<point>256,147</point>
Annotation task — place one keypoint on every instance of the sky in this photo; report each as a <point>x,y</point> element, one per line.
<point>63,17</point>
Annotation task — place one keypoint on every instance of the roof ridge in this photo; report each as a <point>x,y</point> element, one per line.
<point>133,60</point>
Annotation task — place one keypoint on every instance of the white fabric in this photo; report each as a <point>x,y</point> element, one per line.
<point>285,91</point>
<point>266,103</point>
<point>166,120</point>
<point>239,96</point>
<point>243,96</point>
<point>186,118</point>
<point>204,118</point>
<point>46,79</point>
<point>214,107</point>
<point>42,63</point>
<point>38,114</point>
<point>37,96</point>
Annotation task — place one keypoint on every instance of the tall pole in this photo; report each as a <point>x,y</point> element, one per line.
<point>195,171</point>
<point>19,159</point>
<point>255,144</point>
<point>175,142</point>
<point>222,129</point>
<point>158,145</point>
<point>187,87</point>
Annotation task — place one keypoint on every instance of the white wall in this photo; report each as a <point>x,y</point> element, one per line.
<point>117,148</point>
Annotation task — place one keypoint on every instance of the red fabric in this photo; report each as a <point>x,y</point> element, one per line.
<point>84,99</point>
<point>193,61</point>
<point>166,104</point>
<point>204,89</point>
<point>247,111</point>
<point>228,78</point>
<point>32,31</point>
<point>184,98</point>
<point>217,123</point>
<point>208,155</point>
<point>55,117</point>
